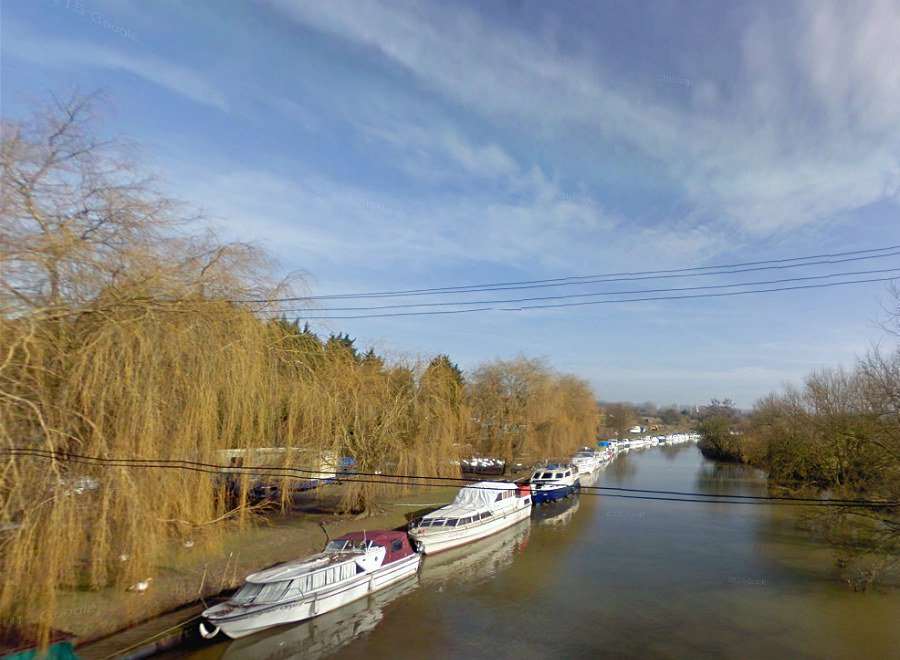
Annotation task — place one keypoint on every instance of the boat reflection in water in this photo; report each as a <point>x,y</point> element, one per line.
<point>322,636</point>
<point>476,562</point>
<point>557,514</point>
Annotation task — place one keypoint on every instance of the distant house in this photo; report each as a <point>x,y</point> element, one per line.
<point>636,429</point>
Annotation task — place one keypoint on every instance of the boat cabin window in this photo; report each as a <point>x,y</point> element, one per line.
<point>558,475</point>
<point>452,522</point>
<point>425,523</point>
<point>336,546</point>
<point>318,579</point>
<point>547,475</point>
<point>485,514</point>
<point>568,473</point>
<point>438,523</point>
<point>397,546</point>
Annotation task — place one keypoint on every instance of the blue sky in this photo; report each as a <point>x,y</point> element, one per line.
<point>401,145</point>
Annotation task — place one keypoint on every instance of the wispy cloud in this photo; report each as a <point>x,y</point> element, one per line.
<point>810,127</point>
<point>61,53</point>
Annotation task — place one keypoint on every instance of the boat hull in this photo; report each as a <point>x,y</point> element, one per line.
<point>241,625</point>
<point>430,544</point>
<point>585,467</point>
<point>546,495</point>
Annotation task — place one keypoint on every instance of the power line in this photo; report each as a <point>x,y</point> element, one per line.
<point>694,271</point>
<point>290,472</point>
<point>824,285</point>
<point>569,296</point>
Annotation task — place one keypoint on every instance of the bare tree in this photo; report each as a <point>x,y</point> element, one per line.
<point>81,223</point>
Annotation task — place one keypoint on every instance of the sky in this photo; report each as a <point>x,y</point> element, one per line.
<point>377,146</point>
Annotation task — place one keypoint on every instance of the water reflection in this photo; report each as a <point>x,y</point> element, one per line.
<point>623,467</point>
<point>629,578</point>
<point>322,636</point>
<point>729,479</point>
<point>557,514</point>
<point>476,562</point>
<point>670,452</point>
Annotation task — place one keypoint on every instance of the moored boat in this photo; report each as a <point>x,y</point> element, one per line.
<point>350,567</point>
<point>586,460</point>
<point>554,482</point>
<point>478,511</point>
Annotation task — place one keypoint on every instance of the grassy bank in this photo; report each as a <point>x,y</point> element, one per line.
<point>184,575</point>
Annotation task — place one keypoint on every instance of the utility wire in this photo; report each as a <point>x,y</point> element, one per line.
<point>824,285</point>
<point>569,296</point>
<point>385,478</point>
<point>695,271</point>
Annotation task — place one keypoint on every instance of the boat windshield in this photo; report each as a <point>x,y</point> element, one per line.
<point>268,592</point>
<point>337,546</point>
<point>547,475</point>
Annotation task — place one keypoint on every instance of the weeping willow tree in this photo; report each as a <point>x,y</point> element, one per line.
<point>119,339</point>
<point>524,410</point>
<point>122,336</point>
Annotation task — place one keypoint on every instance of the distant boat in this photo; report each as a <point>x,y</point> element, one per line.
<point>554,482</point>
<point>478,511</point>
<point>487,466</point>
<point>586,460</point>
<point>351,567</point>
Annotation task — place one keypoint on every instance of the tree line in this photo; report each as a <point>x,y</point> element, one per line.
<point>838,434</point>
<point>120,338</point>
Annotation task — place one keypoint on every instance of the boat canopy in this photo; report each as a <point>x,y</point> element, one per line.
<point>396,544</point>
<point>475,498</point>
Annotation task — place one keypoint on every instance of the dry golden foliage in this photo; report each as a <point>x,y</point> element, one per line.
<point>118,340</point>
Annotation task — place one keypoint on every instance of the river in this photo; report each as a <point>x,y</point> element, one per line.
<point>628,578</point>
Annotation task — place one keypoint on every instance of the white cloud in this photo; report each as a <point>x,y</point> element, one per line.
<point>811,130</point>
<point>429,147</point>
<point>319,223</point>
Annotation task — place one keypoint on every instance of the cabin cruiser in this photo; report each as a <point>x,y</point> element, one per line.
<point>478,561</point>
<point>351,567</point>
<point>586,460</point>
<point>324,635</point>
<point>479,510</point>
<point>554,482</point>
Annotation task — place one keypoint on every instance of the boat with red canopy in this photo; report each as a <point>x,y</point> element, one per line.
<point>350,567</point>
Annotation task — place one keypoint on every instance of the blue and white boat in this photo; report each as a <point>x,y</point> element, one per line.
<point>554,482</point>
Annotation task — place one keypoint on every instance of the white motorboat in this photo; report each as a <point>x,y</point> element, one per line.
<point>324,635</point>
<point>478,561</point>
<point>350,567</point>
<point>478,511</point>
<point>586,460</point>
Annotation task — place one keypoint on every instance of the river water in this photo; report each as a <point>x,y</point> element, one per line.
<point>628,578</point>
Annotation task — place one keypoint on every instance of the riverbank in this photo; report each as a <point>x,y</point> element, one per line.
<point>189,575</point>
<point>601,575</point>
